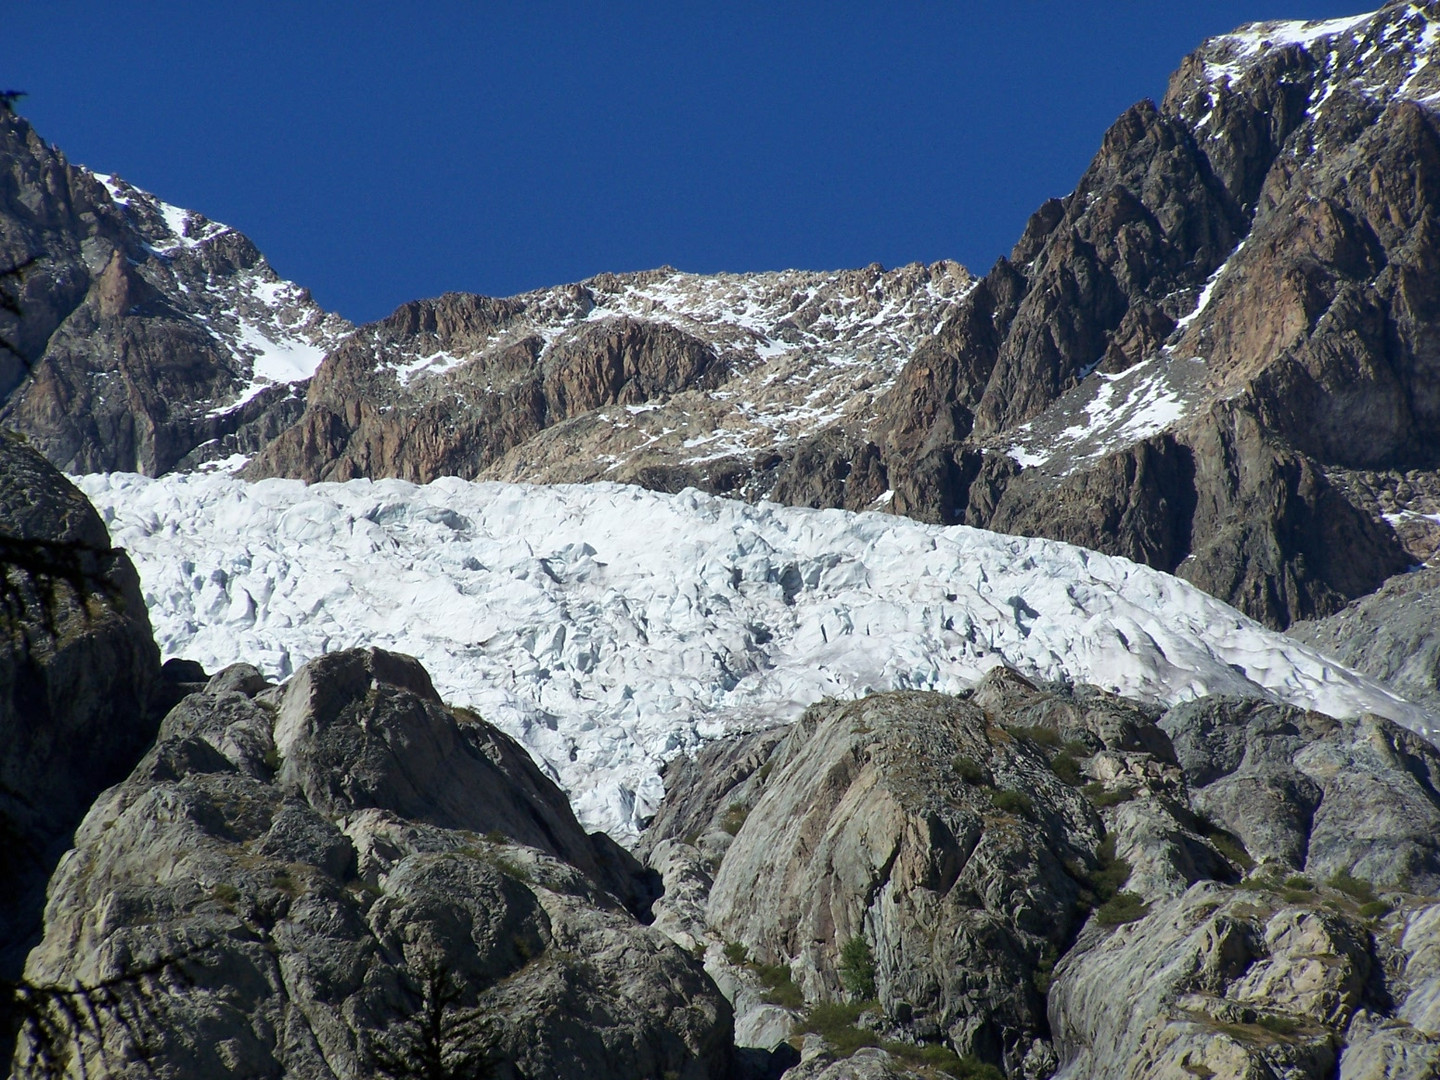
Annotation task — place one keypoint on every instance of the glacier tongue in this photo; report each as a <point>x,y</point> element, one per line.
<point>608,627</point>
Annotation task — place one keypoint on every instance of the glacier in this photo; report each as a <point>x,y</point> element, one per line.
<point>609,628</point>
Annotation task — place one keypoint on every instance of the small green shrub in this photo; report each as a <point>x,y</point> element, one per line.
<point>272,759</point>
<point>780,988</point>
<point>1356,888</point>
<point>1227,843</point>
<point>1279,1025</point>
<point>1375,909</point>
<point>1298,883</point>
<point>734,818</point>
<point>834,1022</point>
<point>969,770</point>
<point>934,1057</point>
<point>1256,884</point>
<point>1067,768</point>
<point>1038,734</point>
<point>1112,873</point>
<point>1044,973</point>
<point>735,953</point>
<point>1123,907</point>
<point>511,869</point>
<point>857,968</point>
<point>225,893</point>
<point>1012,802</point>
<point>969,1068</point>
<point>1100,798</point>
<point>766,770</point>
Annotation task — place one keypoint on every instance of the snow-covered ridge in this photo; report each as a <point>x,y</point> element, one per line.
<point>1385,55</point>
<point>867,316</point>
<point>800,351</point>
<point>271,327</point>
<point>1106,413</point>
<point>609,627</point>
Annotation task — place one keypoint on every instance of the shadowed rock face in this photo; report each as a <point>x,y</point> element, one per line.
<point>307,852</point>
<point>1231,888</point>
<point>78,669</point>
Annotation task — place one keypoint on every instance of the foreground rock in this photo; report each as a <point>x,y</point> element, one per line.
<point>78,670</point>
<point>317,863</point>
<point>1060,882</point>
<point>1308,793</point>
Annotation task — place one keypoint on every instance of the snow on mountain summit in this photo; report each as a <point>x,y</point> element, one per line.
<point>1384,54</point>
<point>608,627</point>
<point>271,327</point>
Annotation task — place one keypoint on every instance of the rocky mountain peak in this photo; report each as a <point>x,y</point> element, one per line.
<point>153,338</point>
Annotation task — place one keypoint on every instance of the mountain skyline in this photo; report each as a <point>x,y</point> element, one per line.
<point>498,152</point>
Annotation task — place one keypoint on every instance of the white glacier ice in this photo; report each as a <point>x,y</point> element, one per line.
<point>608,627</point>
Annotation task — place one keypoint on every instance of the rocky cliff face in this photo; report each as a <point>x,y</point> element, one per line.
<point>307,857</point>
<point>78,673</point>
<point>152,338</point>
<point>1392,635</point>
<point>1061,883</point>
<point>1219,323</point>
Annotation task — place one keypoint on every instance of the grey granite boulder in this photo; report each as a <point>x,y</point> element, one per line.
<point>945,843</point>
<point>298,871</point>
<point>1315,794</point>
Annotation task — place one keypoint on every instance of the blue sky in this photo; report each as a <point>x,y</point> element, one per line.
<point>379,153</point>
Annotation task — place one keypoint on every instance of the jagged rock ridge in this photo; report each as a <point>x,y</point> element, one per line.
<point>660,378</point>
<point>153,338</point>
